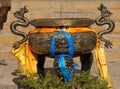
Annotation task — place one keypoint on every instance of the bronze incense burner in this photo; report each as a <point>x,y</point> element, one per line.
<point>84,38</point>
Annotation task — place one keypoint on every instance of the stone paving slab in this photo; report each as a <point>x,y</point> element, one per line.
<point>8,87</point>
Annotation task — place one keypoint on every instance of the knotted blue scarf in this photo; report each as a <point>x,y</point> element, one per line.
<point>67,73</point>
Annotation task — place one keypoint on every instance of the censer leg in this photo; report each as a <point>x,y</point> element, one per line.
<point>86,61</point>
<point>40,65</point>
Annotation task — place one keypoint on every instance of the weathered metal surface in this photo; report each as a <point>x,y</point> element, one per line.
<point>69,64</point>
<point>64,22</point>
<point>103,19</point>
<point>23,22</point>
<point>83,42</point>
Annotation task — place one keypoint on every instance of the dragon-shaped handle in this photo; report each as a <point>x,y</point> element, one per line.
<point>22,21</point>
<point>103,19</point>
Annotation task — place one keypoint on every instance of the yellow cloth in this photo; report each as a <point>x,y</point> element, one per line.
<point>27,60</point>
<point>101,63</point>
<point>69,30</point>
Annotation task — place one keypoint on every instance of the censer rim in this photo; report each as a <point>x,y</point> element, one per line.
<point>62,22</point>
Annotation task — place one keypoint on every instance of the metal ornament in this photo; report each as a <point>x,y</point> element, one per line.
<point>23,22</point>
<point>103,19</point>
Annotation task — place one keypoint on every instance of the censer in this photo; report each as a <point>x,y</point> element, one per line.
<point>62,39</point>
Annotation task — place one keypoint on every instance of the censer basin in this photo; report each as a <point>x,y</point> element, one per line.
<point>83,42</point>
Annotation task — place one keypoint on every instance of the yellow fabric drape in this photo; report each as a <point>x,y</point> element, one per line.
<point>101,63</point>
<point>69,30</point>
<point>27,60</point>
